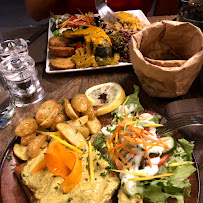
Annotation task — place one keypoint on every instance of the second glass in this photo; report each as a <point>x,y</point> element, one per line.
<point>21,75</point>
<point>7,106</point>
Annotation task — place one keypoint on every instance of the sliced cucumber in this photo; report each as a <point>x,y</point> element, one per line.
<point>170,141</point>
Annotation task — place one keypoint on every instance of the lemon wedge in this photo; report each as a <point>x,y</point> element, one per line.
<point>113,92</point>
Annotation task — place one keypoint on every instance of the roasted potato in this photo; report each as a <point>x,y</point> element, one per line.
<point>70,112</point>
<point>78,122</point>
<point>60,118</point>
<point>35,144</point>
<point>90,111</point>
<point>45,110</point>
<point>79,102</point>
<point>26,127</point>
<point>59,41</point>
<point>62,63</point>
<point>61,51</point>
<point>44,145</point>
<point>26,139</point>
<point>84,131</point>
<point>47,123</point>
<point>21,152</point>
<point>71,134</point>
<point>94,125</point>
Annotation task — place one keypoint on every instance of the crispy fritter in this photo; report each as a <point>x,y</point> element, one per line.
<point>61,51</point>
<point>59,41</point>
<point>62,63</point>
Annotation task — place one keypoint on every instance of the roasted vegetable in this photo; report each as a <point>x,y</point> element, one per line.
<point>102,51</point>
<point>26,127</point>
<point>21,152</point>
<point>61,51</point>
<point>70,112</point>
<point>79,102</point>
<point>94,125</point>
<point>62,63</point>
<point>45,110</point>
<point>35,144</point>
<point>118,42</point>
<point>71,134</point>
<point>59,41</point>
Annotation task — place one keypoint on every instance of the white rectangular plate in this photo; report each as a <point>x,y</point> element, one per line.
<point>49,69</point>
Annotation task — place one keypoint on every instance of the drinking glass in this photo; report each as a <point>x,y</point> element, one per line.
<point>9,47</point>
<point>7,106</point>
<point>21,76</point>
<point>191,11</point>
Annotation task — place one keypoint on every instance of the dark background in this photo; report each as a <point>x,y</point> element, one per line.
<point>13,15</point>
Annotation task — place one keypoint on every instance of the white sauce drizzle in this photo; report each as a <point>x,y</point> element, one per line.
<point>135,160</point>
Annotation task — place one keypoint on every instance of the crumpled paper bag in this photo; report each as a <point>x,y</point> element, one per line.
<point>165,42</point>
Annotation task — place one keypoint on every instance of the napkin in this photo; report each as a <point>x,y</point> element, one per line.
<point>38,48</point>
<point>193,133</point>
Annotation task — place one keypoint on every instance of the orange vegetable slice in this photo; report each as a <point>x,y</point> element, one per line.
<point>61,162</point>
<point>74,178</point>
<point>41,165</point>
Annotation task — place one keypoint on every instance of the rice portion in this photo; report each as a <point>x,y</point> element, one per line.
<point>128,22</point>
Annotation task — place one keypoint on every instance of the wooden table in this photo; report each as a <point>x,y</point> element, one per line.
<point>66,85</point>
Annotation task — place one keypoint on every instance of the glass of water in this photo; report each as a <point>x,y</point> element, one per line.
<point>9,47</point>
<point>7,106</point>
<point>21,76</point>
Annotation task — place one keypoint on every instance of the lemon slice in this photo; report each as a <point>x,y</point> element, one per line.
<point>114,93</point>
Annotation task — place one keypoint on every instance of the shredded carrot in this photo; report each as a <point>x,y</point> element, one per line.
<point>80,12</point>
<point>153,140</point>
<point>137,130</point>
<point>66,22</point>
<point>87,17</point>
<point>117,161</point>
<point>138,136</point>
<point>141,153</point>
<point>146,152</point>
<point>118,146</point>
<point>128,150</point>
<point>126,133</point>
<point>122,158</point>
<point>122,164</point>
<point>114,134</point>
<point>149,138</point>
<point>78,19</point>
<point>116,137</point>
<point>133,140</point>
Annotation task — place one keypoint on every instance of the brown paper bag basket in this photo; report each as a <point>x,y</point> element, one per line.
<point>167,56</point>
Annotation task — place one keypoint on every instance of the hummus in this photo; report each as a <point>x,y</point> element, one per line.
<point>46,187</point>
<point>123,198</point>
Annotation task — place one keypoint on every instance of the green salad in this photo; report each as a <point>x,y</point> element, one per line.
<point>151,167</point>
